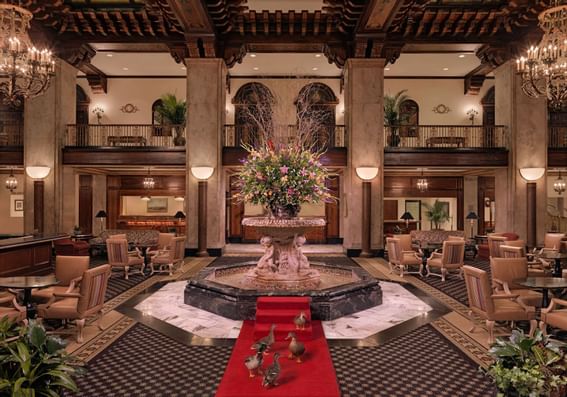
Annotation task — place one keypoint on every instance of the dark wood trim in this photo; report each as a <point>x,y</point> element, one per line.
<point>446,158</point>
<point>335,157</point>
<point>11,155</point>
<point>86,203</point>
<point>531,210</point>
<point>123,156</point>
<point>202,220</point>
<point>485,189</point>
<point>38,193</point>
<point>279,77</point>
<point>141,77</point>
<point>460,205</point>
<point>430,77</point>
<point>557,157</point>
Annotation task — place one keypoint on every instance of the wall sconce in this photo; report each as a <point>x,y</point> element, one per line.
<point>202,173</point>
<point>531,175</point>
<point>98,111</point>
<point>366,174</point>
<point>472,113</point>
<point>38,173</point>
<point>179,198</point>
<point>11,182</point>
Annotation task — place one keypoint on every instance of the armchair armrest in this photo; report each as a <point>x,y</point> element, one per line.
<point>17,306</point>
<point>7,298</point>
<point>504,296</point>
<point>73,284</point>
<point>554,302</point>
<point>503,284</point>
<point>66,295</point>
<point>435,254</point>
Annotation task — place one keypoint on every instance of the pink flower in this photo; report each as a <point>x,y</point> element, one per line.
<point>284,169</point>
<point>290,191</point>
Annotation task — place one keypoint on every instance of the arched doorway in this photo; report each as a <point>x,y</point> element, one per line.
<point>253,117</point>
<point>409,119</point>
<point>315,109</point>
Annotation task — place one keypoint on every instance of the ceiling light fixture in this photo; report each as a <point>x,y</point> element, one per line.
<point>256,68</point>
<point>462,56</point>
<point>422,183</point>
<point>252,55</point>
<point>445,69</point>
<point>314,69</point>
<point>25,71</point>
<point>386,69</point>
<point>317,55</point>
<point>124,68</point>
<point>149,182</point>
<point>544,67</point>
<point>558,185</point>
<point>11,182</point>
<point>109,55</point>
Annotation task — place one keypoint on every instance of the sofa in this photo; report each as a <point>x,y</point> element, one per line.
<point>141,237</point>
<point>434,236</point>
<point>68,247</point>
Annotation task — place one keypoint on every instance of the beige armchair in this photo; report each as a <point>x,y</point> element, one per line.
<point>402,260</point>
<point>494,307</point>
<point>80,305</point>
<point>505,271</point>
<point>555,315</point>
<point>552,241</point>
<point>164,243</point>
<point>118,256</point>
<point>452,258</point>
<point>9,307</point>
<point>68,270</point>
<point>166,260</point>
<point>494,243</point>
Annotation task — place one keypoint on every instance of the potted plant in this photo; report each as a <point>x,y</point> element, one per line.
<point>76,230</point>
<point>173,112</point>
<point>392,118</point>
<point>436,213</point>
<point>526,366</point>
<point>33,363</point>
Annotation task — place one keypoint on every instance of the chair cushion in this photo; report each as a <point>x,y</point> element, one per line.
<point>528,296</point>
<point>557,318</point>
<point>11,313</point>
<point>508,310</point>
<point>43,295</point>
<point>64,308</point>
<point>411,259</point>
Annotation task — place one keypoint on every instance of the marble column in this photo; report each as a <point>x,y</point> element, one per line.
<point>364,120</point>
<point>470,203</point>
<point>206,92</point>
<point>99,202</point>
<point>45,120</point>
<point>526,119</point>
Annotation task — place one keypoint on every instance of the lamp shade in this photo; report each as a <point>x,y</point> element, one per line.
<point>202,173</point>
<point>38,172</point>
<point>101,214</point>
<point>472,215</point>
<point>407,216</point>
<point>179,215</point>
<point>367,173</point>
<point>532,174</point>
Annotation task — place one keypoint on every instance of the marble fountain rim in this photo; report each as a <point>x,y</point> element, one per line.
<point>366,280</point>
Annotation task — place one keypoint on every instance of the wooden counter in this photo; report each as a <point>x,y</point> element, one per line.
<point>27,256</point>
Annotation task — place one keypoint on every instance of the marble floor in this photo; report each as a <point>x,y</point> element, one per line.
<point>398,305</point>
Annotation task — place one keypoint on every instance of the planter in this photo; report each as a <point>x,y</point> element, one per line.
<point>179,139</point>
<point>283,211</point>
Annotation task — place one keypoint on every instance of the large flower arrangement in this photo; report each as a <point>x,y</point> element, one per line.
<point>282,179</point>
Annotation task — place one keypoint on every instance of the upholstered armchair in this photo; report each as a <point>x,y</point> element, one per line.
<point>494,307</point>
<point>68,270</point>
<point>536,268</point>
<point>69,247</point>
<point>505,271</point>
<point>402,260</point>
<point>555,315</point>
<point>166,260</point>
<point>552,242</point>
<point>164,243</point>
<point>79,306</point>
<point>9,307</point>
<point>452,258</point>
<point>118,256</point>
<point>494,243</point>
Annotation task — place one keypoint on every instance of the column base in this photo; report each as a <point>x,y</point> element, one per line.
<point>202,253</point>
<point>365,254</point>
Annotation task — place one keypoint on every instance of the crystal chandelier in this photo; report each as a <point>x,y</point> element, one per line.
<point>25,71</point>
<point>11,182</point>
<point>544,67</point>
<point>422,184</point>
<point>149,182</point>
<point>559,185</point>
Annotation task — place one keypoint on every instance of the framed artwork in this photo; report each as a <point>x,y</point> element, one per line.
<point>157,204</point>
<point>17,205</point>
<point>414,208</point>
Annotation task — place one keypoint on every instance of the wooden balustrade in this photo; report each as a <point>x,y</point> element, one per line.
<point>557,136</point>
<point>122,135</point>
<point>11,133</point>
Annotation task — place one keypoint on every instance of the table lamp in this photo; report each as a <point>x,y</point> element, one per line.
<point>472,217</point>
<point>407,216</point>
<point>101,215</point>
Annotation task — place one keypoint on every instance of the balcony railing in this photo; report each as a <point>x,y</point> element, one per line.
<point>330,137</point>
<point>557,136</point>
<point>121,135</point>
<point>11,133</point>
<point>446,136</point>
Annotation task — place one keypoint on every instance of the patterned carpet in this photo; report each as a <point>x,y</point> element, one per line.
<point>420,363</point>
<point>144,362</point>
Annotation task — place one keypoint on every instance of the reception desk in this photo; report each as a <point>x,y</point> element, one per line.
<point>27,256</point>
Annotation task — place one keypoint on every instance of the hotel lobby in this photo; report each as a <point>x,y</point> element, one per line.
<point>283,198</point>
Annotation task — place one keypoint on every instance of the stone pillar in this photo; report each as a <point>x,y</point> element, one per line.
<point>206,91</point>
<point>99,202</point>
<point>70,192</point>
<point>45,120</point>
<point>526,119</point>
<point>364,119</point>
<point>470,203</point>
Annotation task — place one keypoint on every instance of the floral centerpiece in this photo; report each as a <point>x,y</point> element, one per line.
<point>283,178</point>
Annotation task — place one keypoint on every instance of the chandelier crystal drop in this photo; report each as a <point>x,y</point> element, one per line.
<point>11,182</point>
<point>544,67</point>
<point>559,185</point>
<point>25,71</point>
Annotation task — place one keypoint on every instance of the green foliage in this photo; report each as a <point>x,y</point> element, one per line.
<point>33,363</point>
<point>172,110</point>
<point>436,213</point>
<point>392,105</point>
<point>528,367</point>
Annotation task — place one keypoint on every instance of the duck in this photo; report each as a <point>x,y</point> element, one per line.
<point>267,340</point>
<point>296,349</point>
<point>254,362</point>
<point>300,320</point>
<point>272,373</point>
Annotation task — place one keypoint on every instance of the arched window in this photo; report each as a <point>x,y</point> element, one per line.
<point>409,116</point>
<point>253,117</point>
<point>315,107</point>
<point>159,127</point>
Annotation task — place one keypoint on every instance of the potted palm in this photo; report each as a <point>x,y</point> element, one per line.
<point>173,112</point>
<point>392,117</point>
<point>436,213</point>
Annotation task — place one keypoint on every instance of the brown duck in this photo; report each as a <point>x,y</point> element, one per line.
<point>296,349</point>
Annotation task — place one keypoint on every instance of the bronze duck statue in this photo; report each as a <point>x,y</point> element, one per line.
<point>300,320</point>
<point>296,348</point>
<point>267,340</point>
<point>272,373</point>
<point>254,362</point>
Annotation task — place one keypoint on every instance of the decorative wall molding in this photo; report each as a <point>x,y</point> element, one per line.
<point>129,108</point>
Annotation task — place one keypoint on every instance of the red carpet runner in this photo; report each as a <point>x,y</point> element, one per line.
<point>315,377</point>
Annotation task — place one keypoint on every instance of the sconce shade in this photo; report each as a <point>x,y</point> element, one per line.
<point>472,215</point>
<point>145,198</point>
<point>532,174</point>
<point>101,214</point>
<point>202,173</point>
<point>179,198</point>
<point>179,215</point>
<point>407,216</point>
<point>38,172</point>
<point>367,173</point>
